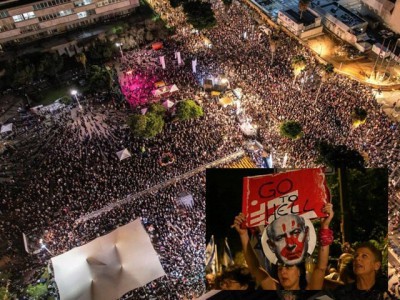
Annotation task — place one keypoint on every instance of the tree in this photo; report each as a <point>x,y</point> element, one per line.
<point>147,126</point>
<point>158,109</point>
<point>99,78</point>
<point>49,64</point>
<point>291,129</point>
<point>37,291</point>
<point>4,294</point>
<point>298,65</point>
<point>303,5</point>
<point>199,14</point>
<point>337,156</point>
<point>101,51</point>
<point>358,116</point>
<point>188,109</point>
<point>81,58</point>
<point>325,72</point>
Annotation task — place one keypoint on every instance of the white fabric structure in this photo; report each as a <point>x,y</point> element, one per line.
<point>165,89</point>
<point>123,154</point>
<point>185,199</point>
<point>108,267</point>
<point>168,104</point>
<point>143,111</point>
<point>248,129</point>
<point>6,127</point>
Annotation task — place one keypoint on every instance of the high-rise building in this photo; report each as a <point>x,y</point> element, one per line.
<point>23,21</point>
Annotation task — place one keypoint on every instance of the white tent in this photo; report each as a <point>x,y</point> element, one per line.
<point>123,154</point>
<point>109,266</point>
<point>165,89</point>
<point>6,127</point>
<point>143,111</point>
<point>168,104</point>
<point>173,88</point>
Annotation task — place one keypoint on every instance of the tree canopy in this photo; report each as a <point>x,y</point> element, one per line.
<point>199,14</point>
<point>101,51</point>
<point>337,156</point>
<point>147,126</point>
<point>99,78</point>
<point>291,129</point>
<point>188,109</point>
<point>358,116</point>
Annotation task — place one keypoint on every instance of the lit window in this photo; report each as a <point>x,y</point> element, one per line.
<point>82,15</point>
<point>18,18</point>
<point>87,2</point>
<point>29,15</point>
<point>65,12</point>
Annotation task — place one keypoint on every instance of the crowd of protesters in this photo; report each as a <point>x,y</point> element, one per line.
<point>70,168</point>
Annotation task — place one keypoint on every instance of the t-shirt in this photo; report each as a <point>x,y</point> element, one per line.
<point>350,292</point>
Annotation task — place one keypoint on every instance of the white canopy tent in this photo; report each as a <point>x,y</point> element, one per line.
<point>168,104</point>
<point>109,266</point>
<point>6,127</point>
<point>123,154</point>
<point>143,111</point>
<point>165,89</point>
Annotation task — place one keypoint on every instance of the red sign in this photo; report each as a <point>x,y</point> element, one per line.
<point>268,197</point>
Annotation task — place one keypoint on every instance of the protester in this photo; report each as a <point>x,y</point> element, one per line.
<point>62,167</point>
<point>369,282</point>
<point>291,277</point>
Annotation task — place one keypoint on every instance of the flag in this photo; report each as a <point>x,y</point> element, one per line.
<point>162,61</point>
<point>25,243</point>
<point>210,252</point>
<point>270,161</point>
<point>227,259</point>
<point>194,64</point>
<point>285,158</point>
<point>178,57</point>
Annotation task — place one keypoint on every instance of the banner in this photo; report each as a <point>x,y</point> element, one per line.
<point>178,57</point>
<point>268,197</point>
<point>162,61</point>
<point>194,64</point>
<point>25,243</point>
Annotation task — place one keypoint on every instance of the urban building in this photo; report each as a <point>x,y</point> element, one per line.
<point>307,26</point>
<point>26,21</point>
<point>387,11</point>
<point>345,24</point>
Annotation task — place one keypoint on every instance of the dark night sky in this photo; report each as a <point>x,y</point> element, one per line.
<point>224,201</point>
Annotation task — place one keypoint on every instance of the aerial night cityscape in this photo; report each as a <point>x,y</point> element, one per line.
<point>136,136</point>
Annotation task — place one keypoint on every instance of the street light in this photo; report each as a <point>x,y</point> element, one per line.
<point>74,93</point>
<point>43,246</point>
<point>120,49</point>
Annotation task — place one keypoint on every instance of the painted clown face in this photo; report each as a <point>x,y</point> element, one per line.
<point>288,239</point>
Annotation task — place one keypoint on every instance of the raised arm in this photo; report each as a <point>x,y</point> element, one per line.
<point>325,238</point>
<point>260,275</point>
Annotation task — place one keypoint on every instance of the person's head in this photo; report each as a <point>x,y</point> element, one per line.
<point>288,239</point>
<point>367,259</point>
<point>292,277</point>
<point>345,269</point>
<point>235,278</point>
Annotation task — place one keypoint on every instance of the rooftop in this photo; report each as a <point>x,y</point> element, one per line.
<point>342,14</point>
<point>307,18</point>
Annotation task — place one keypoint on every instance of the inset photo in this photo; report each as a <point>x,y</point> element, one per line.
<point>297,230</point>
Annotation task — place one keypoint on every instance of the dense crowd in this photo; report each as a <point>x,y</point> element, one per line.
<point>70,167</point>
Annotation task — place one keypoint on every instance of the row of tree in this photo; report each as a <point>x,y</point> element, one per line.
<point>152,123</point>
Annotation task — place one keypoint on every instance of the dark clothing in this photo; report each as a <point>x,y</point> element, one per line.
<point>350,292</point>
